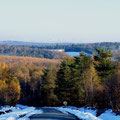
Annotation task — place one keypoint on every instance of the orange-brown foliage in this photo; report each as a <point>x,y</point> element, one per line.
<point>29,61</point>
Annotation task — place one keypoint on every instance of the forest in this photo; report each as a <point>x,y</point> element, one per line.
<point>88,47</point>
<point>81,81</point>
<point>44,50</point>
<point>30,51</point>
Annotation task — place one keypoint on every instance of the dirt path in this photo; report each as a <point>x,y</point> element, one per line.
<point>52,114</point>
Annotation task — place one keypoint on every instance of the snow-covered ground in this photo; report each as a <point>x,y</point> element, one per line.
<point>88,114</point>
<point>20,112</point>
<point>80,114</point>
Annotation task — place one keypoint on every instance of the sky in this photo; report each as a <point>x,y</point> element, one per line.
<point>79,21</point>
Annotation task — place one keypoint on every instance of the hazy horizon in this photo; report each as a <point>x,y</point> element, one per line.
<point>52,21</point>
<point>58,42</point>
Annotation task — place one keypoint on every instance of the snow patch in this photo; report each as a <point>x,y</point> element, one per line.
<point>109,115</point>
<point>19,112</point>
<point>88,113</point>
<point>79,114</point>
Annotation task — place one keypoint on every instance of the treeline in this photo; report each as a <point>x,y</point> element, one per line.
<point>81,81</point>
<point>30,51</point>
<point>43,51</point>
<point>88,47</point>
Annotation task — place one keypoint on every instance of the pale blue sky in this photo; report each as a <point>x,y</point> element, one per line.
<point>60,20</point>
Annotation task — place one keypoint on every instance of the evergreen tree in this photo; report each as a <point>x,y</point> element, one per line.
<point>82,63</point>
<point>47,87</point>
<point>103,63</point>
<point>64,81</point>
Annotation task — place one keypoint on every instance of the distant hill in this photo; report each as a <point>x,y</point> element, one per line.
<point>10,42</point>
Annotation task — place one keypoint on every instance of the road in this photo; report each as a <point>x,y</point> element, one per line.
<point>53,114</point>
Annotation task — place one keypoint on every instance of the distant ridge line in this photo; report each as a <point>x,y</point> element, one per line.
<point>12,42</point>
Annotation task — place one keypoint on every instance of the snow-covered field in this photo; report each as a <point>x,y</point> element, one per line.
<point>20,112</point>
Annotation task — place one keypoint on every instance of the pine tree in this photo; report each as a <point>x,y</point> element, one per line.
<point>82,63</point>
<point>103,63</point>
<point>64,81</point>
<point>47,87</point>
